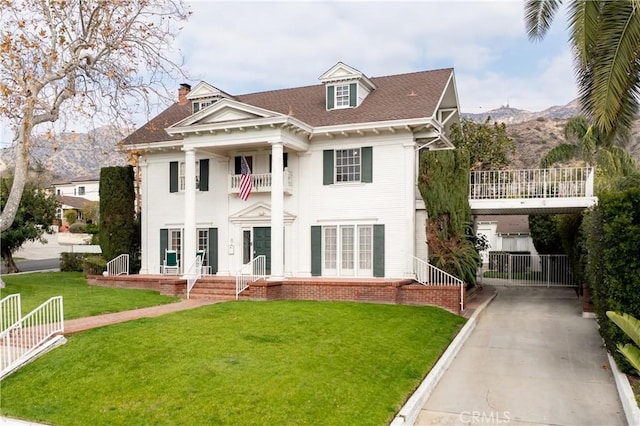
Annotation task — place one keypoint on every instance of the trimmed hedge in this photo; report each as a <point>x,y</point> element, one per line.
<point>94,265</point>
<point>117,215</point>
<point>612,244</point>
<point>78,228</point>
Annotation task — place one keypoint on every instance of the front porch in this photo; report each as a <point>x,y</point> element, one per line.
<point>372,290</point>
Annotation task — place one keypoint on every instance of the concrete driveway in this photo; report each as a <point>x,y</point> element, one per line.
<point>532,359</point>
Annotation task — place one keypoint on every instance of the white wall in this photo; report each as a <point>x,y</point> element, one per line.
<point>74,189</point>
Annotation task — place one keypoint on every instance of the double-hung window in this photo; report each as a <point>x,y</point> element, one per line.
<point>182,172</point>
<point>342,96</point>
<point>348,165</point>
<point>177,175</point>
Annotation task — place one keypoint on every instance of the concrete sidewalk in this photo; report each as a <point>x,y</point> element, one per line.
<point>532,359</point>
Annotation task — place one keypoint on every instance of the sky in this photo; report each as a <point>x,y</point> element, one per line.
<point>244,47</point>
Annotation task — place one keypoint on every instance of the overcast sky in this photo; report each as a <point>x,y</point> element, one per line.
<point>244,47</point>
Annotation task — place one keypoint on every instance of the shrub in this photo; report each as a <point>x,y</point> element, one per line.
<point>92,229</point>
<point>117,214</point>
<point>94,265</point>
<point>613,263</point>
<point>71,262</point>
<point>78,228</point>
<point>71,216</point>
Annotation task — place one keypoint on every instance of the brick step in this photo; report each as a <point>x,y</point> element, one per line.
<point>220,291</point>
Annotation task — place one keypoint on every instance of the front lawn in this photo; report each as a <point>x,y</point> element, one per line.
<point>80,299</point>
<point>239,363</point>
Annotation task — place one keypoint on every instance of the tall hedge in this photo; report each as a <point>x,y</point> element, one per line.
<point>444,184</point>
<point>613,267</point>
<point>117,211</point>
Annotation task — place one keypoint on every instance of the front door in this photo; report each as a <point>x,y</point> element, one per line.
<point>262,245</point>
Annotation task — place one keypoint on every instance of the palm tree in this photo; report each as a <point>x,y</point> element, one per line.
<point>605,39</point>
<point>584,143</point>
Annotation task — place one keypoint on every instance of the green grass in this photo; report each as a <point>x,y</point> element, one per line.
<point>238,363</point>
<point>80,299</point>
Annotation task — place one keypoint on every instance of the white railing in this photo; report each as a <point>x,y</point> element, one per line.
<point>540,270</point>
<point>10,311</point>
<point>194,273</point>
<point>428,275</point>
<point>531,183</point>
<point>261,182</point>
<point>118,266</point>
<point>251,272</point>
<point>27,336</point>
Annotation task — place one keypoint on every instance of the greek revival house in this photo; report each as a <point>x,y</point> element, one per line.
<point>321,179</point>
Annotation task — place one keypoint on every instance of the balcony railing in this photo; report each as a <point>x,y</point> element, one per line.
<point>261,182</point>
<point>532,183</point>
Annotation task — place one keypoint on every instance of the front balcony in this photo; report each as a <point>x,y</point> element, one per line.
<point>261,182</point>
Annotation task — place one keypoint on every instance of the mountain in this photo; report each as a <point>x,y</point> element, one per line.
<point>70,155</point>
<point>508,115</point>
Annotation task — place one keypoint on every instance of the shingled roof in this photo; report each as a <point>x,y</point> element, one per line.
<point>397,97</point>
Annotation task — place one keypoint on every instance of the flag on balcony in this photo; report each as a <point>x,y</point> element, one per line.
<point>245,179</point>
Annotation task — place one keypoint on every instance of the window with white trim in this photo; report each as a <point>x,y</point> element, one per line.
<point>81,190</point>
<point>181,174</point>
<point>342,96</point>
<point>175,241</point>
<point>348,165</point>
<point>203,243</point>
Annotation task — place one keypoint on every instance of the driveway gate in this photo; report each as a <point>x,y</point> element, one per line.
<point>526,270</point>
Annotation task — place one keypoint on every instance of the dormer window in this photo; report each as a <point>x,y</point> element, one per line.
<point>342,96</point>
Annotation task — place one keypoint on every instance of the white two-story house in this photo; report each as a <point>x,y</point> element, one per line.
<point>333,171</point>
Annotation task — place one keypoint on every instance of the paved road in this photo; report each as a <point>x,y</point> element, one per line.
<point>532,359</point>
<point>34,265</point>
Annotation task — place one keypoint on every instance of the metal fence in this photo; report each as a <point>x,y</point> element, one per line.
<point>526,270</point>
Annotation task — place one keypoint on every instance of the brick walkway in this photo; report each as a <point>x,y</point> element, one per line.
<point>82,324</point>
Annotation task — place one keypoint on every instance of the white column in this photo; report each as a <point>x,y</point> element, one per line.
<point>409,207</point>
<point>189,234</point>
<point>277,212</point>
<point>145,268</point>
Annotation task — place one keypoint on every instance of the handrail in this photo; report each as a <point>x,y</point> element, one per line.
<point>429,275</point>
<point>257,268</point>
<point>10,311</point>
<point>260,182</point>
<point>22,339</point>
<point>118,266</point>
<point>531,183</point>
<point>194,273</point>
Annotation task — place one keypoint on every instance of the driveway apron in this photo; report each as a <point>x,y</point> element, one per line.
<point>532,359</point>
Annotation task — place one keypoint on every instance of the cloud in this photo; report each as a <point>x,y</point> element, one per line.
<point>243,47</point>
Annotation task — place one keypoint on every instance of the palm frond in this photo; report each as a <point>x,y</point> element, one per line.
<point>609,79</point>
<point>575,129</point>
<point>583,26</point>
<point>628,324</point>
<point>632,354</point>
<point>558,154</point>
<point>538,15</point>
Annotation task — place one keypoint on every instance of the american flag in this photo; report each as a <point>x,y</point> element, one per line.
<point>245,179</point>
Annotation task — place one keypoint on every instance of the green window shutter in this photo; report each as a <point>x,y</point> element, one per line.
<point>173,176</point>
<point>204,175</point>
<point>316,251</point>
<point>367,164</point>
<point>378,250</point>
<point>353,94</point>
<point>213,250</point>
<point>327,167</point>
<point>164,243</point>
<point>330,96</point>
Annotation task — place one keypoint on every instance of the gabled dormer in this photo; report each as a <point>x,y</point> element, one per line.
<point>204,95</point>
<point>345,87</point>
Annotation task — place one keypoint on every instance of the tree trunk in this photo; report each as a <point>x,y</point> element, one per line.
<point>7,256</point>
<point>19,175</point>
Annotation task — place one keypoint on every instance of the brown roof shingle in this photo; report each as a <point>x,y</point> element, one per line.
<point>397,97</point>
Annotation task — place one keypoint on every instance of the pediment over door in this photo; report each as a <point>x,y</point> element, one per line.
<point>258,212</point>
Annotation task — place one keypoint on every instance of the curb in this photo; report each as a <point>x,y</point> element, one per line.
<point>627,398</point>
<point>410,410</point>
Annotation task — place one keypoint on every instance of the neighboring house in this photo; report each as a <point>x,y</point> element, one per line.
<point>507,233</point>
<point>70,203</point>
<point>332,166</point>
<point>84,187</point>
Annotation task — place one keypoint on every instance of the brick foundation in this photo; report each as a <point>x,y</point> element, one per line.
<point>401,291</point>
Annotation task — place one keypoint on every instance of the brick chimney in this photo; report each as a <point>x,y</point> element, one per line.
<point>182,93</point>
